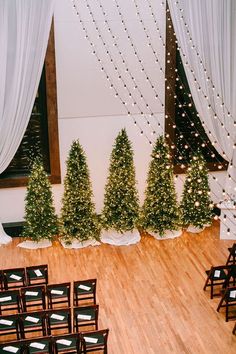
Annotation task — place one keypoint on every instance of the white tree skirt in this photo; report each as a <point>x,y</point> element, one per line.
<point>195,230</point>
<point>78,244</point>
<point>112,237</point>
<point>4,238</point>
<point>167,234</point>
<point>35,245</point>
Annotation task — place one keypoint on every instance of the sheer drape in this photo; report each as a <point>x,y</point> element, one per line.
<point>24,31</point>
<point>212,28</point>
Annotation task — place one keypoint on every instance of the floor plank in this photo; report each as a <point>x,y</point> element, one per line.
<point>150,294</point>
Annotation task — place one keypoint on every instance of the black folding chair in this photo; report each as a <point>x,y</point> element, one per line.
<point>17,347</point>
<point>232,255</point>
<point>10,326</point>
<point>58,294</point>
<point>14,278</point>
<point>33,297</point>
<point>228,301</point>
<point>84,290</point>
<point>33,322</point>
<point>216,279</point>
<point>85,316</point>
<point>59,319</point>
<point>67,343</point>
<point>37,275</point>
<point>42,345</point>
<point>94,341</point>
<point>10,301</point>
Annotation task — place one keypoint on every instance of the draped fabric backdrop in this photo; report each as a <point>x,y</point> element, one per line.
<point>212,27</point>
<point>24,31</point>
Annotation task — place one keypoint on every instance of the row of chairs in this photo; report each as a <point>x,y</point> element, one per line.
<point>49,322</point>
<point>222,282</point>
<point>47,296</point>
<point>15,278</point>
<point>83,342</point>
<point>51,318</point>
<point>219,278</point>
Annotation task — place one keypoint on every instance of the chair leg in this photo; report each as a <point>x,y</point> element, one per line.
<point>234,329</point>
<point>227,313</point>
<point>212,288</point>
<point>206,283</point>
<point>220,304</point>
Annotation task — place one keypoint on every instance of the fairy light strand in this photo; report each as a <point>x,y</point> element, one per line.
<point>106,73</point>
<point>161,69</point>
<point>99,60</point>
<point>115,66</point>
<point>201,61</point>
<point>186,114</point>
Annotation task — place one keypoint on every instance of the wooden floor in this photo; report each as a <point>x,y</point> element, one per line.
<point>150,294</point>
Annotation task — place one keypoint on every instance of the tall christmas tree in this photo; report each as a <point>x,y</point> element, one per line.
<point>40,218</point>
<point>78,218</point>
<point>121,207</point>
<point>160,209</point>
<point>196,205</point>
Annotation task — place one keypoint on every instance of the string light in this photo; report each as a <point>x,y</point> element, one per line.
<point>112,85</point>
<point>158,28</point>
<point>158,61</point>
<point>208,77</point>
<point>103,69</point>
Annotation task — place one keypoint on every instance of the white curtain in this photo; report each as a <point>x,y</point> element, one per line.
<point>212,28</point>
<point>24,31</point>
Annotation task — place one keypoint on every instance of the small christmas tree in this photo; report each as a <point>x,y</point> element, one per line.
<point>40,218</point>
<point>160,209</point>
<point>121,207</point>
<point>78,218</point>
<point>196,205</point>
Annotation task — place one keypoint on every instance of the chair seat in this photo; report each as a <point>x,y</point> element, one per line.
<point>58,293</point>
<point>33,295</point>
<point>8,299</point>
<point>82,314</point>
<point>232,296</point>
<point>61,317</point>
<point>14,277</point>
<point>66,343</point>
<point>219,274</point>
<point>39,346</point>
<point>92,340</point>
<point>10,348</point>
<point>85,288</point>
<point>32,320</point>
<point>36,274</point>
<point>7,324</point>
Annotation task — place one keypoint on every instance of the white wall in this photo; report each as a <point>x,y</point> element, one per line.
<point>87,107</point>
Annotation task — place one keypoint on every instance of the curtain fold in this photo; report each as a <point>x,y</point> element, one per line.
<point>210,27</point>
<point>24,32</point>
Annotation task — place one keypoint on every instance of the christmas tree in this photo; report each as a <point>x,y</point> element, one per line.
<point>160,209</point>
<point>40,218</point>
<point>196,205</point>
<point>121,207</point>
<point>78,218</point>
